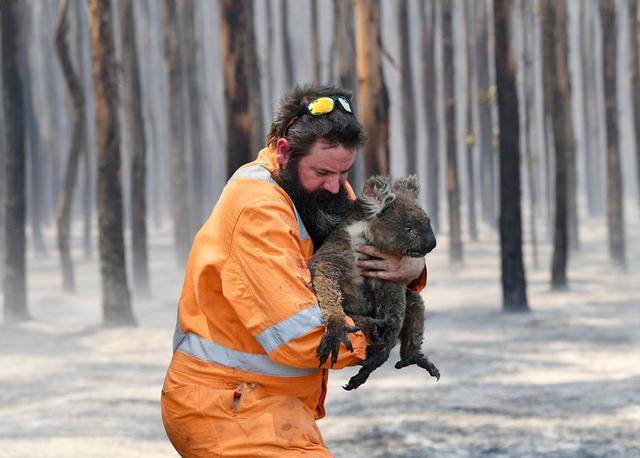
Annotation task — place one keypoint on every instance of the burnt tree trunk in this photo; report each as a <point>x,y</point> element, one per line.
<point>470,138</point>
<point>235,17</point>
<point>37,198</point>
<point>287,53</point>
<point>555,33</point>
<point>191,47</point>
<point>634,18</point>
<point>406,89</point>
<point>65,196</point>
<point>177,108</point>
<point>615,203</point>
<point>138,148</point>
<point>514,287</point>
<point>314,52</point>
<point>485,132</point>
<point>115,292</point>
<point>529,110</point>
<point>428,48</point>
<point>15,274</point>
<point>453,187</point>
<point>372,95</point>
<point>88,184</point>
<point>591,140</point>
<point>345,68</point>
<point>258,139</point>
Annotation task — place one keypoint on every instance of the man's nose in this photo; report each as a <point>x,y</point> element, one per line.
<point>332,184</point>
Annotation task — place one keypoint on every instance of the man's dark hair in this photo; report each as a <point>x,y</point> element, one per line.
<point>337,127</point>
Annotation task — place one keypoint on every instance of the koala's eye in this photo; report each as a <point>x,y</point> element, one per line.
<point>408,227</point>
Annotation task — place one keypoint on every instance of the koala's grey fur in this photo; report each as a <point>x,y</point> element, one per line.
<point>387,216</point>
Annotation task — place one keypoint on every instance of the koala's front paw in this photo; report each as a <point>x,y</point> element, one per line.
<point>422,361</point>
<point>335,333</point>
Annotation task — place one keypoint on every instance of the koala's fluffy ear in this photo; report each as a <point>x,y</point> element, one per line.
<point>377,194</point>
<point>409,183</point>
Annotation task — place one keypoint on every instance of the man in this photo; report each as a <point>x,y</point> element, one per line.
<point>244,378</point>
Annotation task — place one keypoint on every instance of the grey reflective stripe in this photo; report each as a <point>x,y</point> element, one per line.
<point>206,350</point>
<point>296,326</point>
<point>259,172</point>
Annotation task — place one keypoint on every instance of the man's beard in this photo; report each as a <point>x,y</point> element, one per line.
<point>320,211</point>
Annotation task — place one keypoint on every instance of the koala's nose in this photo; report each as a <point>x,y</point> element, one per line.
<point>430,241</point>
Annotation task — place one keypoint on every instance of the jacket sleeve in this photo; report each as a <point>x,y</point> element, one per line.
<point>419,283</point>
<point>269,286</point>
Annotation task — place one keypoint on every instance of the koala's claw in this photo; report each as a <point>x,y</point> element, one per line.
<point>422,361</point>
<point>330,343</point>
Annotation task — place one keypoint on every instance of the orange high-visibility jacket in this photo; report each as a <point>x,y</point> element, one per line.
<point>249,324</point>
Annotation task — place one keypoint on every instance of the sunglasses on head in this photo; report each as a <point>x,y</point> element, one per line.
<point>319,107</point>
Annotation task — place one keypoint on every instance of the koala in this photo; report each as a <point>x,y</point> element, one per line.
<point>386,215</point>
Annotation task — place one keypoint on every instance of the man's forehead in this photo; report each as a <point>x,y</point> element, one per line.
<point>334,157</point>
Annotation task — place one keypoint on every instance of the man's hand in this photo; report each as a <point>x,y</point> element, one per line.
<point>389,266</point>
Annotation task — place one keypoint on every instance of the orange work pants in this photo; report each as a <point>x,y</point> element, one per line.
<point>243,422</point>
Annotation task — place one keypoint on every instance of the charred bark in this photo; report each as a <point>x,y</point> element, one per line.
<point>179,187</point>
<point>287,53</point>
<point>615,203</point>
<point>453,187</point>
<point>235,17</point>
<point>431,107</point>
<point>191,47</point>
<point>115,292</point>
<point>372,95</point>
<point>406,89</point>
<point>258,139</point>
<point>470,137</point>
<point>65,197</point>
<point>634,18</point>
<point>138,148</point>
<point>514,288</point>
<point>14,281</point>
<point>485,102</point>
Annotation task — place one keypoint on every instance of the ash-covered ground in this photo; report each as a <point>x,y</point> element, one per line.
<point>561,381</point>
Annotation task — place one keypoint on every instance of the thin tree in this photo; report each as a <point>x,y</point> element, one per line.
<point>253,73</point>
<point>453,187</point>
<point>514,287</point>
<point>485,102</point>
<point>470,138</point>
<point>428,48</point>
<point>615,203</point>
<point>634,18</point>
<point>235,18</point>
<point>406,88</point>
<point>37,197</point>
<point>65,197</point>
<point>14,281</point>
<point>590,106</point>
<point>529,112</point>
<point>287,53</point>
<point>191,47</point>
<point>87,195</point>
<point>179,185</point>
<point>138,147</point>
<point>344,59</point>
<point>116,302</point>
<point>314,52</point>
<point>372,94</point>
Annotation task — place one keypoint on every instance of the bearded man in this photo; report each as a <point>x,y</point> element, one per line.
<point>244,378</point>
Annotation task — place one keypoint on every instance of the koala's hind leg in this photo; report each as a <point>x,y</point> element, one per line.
<point>326,283</point>
<point>374,329</point>
<point>390,307</point>
<point>412,335</point>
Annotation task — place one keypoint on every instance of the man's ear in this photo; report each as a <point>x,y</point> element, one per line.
<point>283,152</point>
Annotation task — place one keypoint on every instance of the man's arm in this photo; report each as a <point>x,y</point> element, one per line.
<point>269,285</point>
